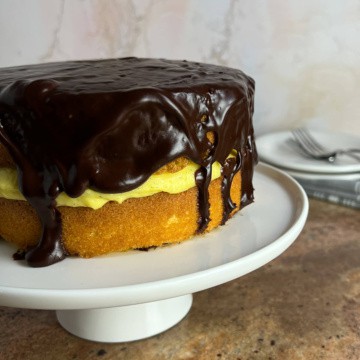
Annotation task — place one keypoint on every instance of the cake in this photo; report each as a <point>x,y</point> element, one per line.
<point>109,155</point>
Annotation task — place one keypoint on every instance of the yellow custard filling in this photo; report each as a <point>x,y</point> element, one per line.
<point>172,183</point>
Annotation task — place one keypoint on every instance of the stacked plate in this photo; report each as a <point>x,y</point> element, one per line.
<point>337,182</point>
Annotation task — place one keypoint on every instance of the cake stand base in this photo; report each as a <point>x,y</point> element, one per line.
<point>125,323</point>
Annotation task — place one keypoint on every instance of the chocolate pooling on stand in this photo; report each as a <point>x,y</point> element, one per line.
<point>110,124</point>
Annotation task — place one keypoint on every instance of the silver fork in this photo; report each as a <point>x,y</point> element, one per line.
<point>312,148</point>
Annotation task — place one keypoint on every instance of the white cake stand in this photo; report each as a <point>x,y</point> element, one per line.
<point>134,295</point>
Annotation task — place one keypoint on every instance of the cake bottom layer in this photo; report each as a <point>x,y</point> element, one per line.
<point>136,223</point>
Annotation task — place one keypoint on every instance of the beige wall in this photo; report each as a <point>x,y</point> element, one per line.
<point>304,55</point>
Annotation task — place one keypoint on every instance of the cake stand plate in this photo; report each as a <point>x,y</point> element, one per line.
<point>137,294</point>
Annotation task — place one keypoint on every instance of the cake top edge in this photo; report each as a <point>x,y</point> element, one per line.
<point>126,74</point>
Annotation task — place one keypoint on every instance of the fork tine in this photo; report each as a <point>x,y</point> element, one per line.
<point>312,140</point>
<point>308,142</point>
<point>304,143</point>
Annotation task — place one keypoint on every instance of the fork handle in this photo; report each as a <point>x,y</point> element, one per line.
<point>350,154</point>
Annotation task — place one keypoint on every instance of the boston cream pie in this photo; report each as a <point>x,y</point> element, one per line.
<point>110,155</point>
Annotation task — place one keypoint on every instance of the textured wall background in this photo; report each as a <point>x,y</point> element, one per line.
<point>304,55</point>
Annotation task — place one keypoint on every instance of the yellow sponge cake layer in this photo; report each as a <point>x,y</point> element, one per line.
<point>136,223</point>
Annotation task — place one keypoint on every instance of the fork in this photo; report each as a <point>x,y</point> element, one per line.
<point>312,148</point>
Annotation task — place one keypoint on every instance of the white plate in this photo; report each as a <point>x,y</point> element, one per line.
<point>350,177</point>
<point>261,232</point>
<point>277,149</point>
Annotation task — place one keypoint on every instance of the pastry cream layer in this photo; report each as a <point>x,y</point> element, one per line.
<point>172,183</point>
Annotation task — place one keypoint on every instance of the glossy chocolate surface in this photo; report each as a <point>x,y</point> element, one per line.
<point>110,124</point>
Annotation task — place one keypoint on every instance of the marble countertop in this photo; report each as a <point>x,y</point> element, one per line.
<point>303,305</point>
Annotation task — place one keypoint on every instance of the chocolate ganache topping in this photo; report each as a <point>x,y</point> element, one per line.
<point>110,124</point>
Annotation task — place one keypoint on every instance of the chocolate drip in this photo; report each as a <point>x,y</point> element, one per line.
<point>247,193</point>
<point>110,124</point>
<point>202,179</point>
<point>229,170</point>
<point>51,238</point>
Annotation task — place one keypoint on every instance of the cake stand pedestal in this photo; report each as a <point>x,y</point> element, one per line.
<point>125,323</point>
